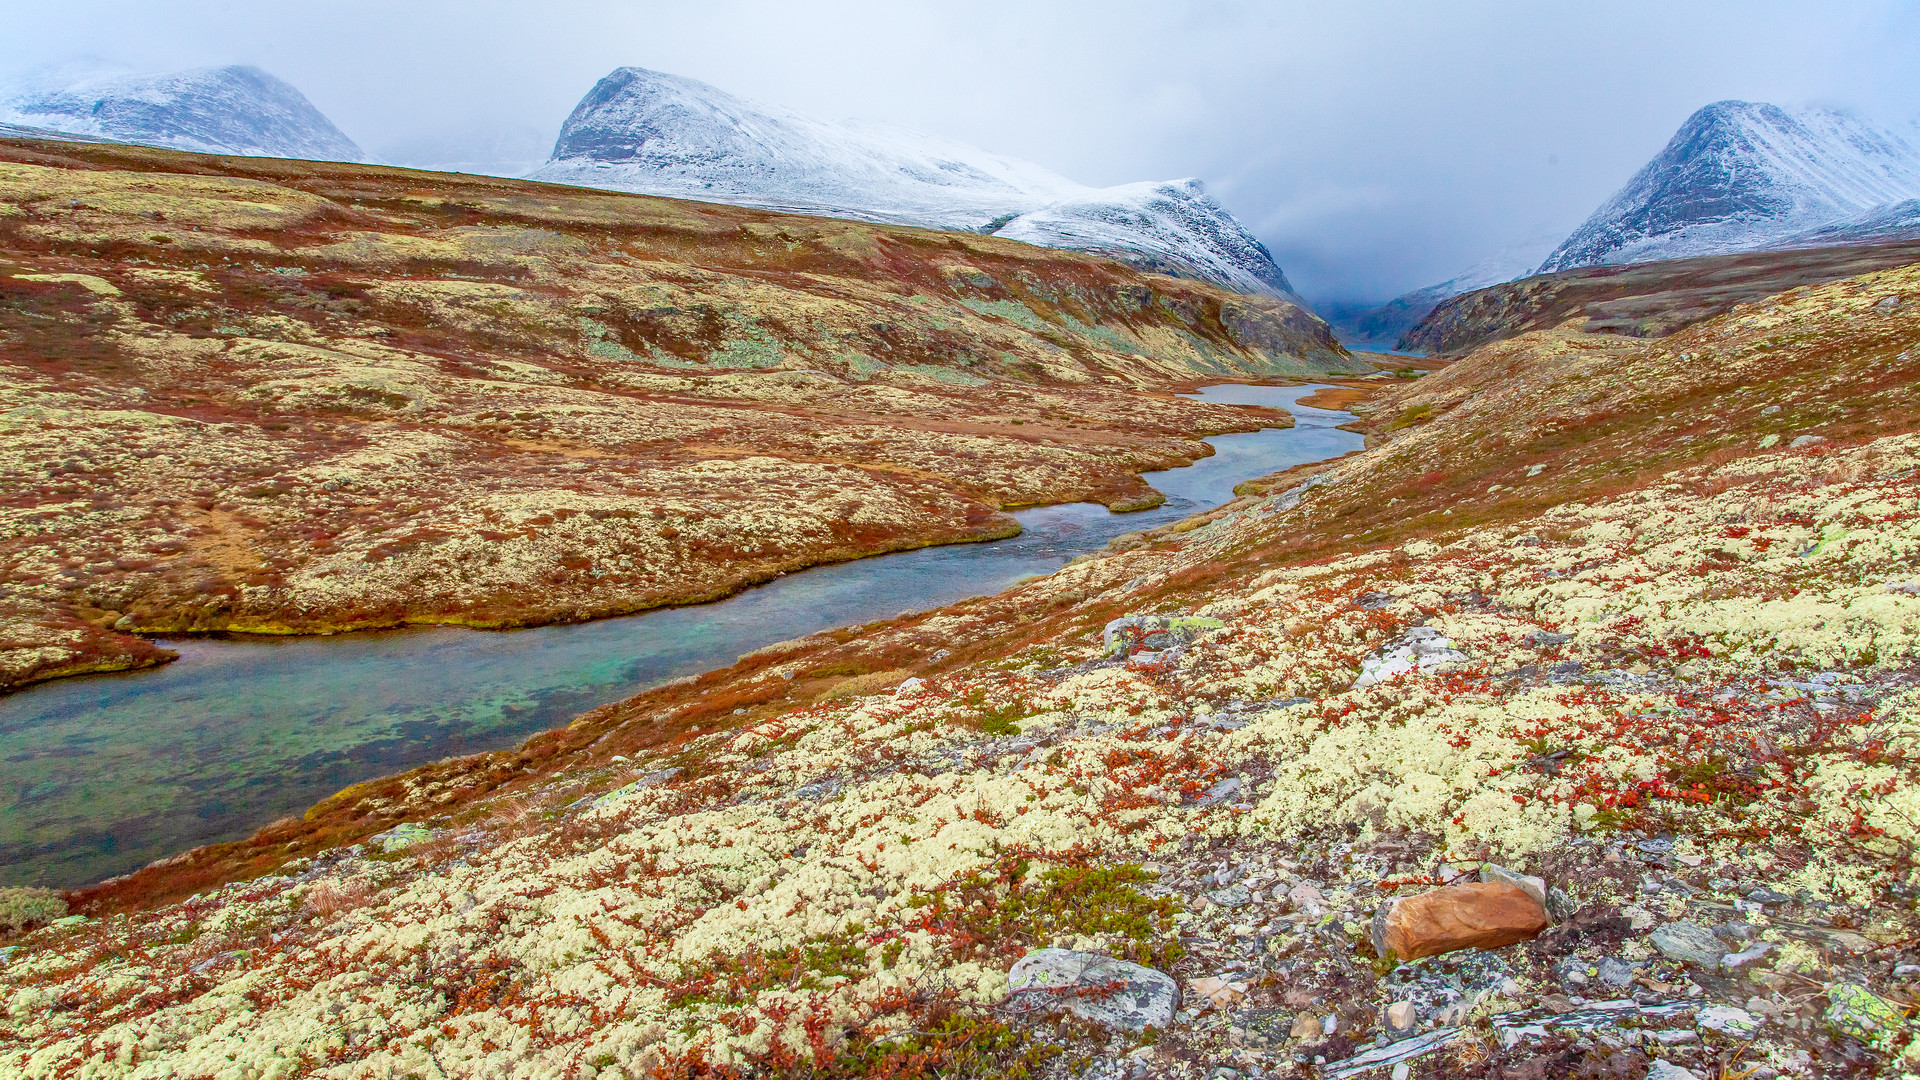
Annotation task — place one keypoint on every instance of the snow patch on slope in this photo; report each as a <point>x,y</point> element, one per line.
<point>658,134</point>
<point>216,110</point>
<point>1739,176</point>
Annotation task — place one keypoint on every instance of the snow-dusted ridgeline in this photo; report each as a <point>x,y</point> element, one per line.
<point>216,110</point>
<point>644,131</point>
<point>1741,176</point>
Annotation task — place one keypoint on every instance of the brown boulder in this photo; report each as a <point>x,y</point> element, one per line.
<point>1480,915</point>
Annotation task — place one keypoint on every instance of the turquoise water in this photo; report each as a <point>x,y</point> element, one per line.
<point>102,774</point>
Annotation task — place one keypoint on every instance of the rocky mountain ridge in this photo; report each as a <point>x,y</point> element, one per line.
<point>660,134</point>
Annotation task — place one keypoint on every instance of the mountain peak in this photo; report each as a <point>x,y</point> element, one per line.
<point>1739,175</point>
<point>238,109</point>
<point>660,134</point>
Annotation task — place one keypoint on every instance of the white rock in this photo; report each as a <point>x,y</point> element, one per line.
<point>1420,649</point>
<point>1667,1070</point>
<point>1099,989</point>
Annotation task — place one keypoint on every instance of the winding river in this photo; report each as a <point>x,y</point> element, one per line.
<point>102,774</point>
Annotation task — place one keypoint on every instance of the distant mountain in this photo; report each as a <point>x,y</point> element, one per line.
<point>643,131</point>
<point>218,110</point>
<point>1383,326</point>
<point>1741,176</point>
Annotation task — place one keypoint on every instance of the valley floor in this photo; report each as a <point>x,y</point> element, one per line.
<point>1668,603</point>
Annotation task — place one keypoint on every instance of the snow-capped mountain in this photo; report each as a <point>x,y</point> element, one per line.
<point>644,131</point>
<point>1739,176</point>
<point>1384,325</point>
<point>217,110</point>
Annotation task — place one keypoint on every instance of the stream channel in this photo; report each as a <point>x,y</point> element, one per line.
<point>102,774</point>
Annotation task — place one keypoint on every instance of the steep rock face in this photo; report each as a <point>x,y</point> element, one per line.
<point>217,110</point>
<point>1739,176</point>
<point>658,134</point>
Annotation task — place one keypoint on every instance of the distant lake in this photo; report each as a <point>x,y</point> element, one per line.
<point>105,773</point>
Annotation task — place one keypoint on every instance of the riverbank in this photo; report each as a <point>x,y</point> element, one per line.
<point>108,774</point>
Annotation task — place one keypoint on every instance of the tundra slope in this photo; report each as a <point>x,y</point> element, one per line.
<point>1643,300</point>
<point>1688,669</point>
<point>646,131</point>
<point>279,397</point>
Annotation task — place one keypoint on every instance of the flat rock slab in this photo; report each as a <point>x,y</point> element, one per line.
<point>1099,989</point>
<point>1689,943</point>
<point>1479,915</point>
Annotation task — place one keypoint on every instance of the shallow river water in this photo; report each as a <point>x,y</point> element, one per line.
<point>102,774</point>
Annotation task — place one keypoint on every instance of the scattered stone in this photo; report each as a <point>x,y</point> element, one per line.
<point>1219,992</point>
<point>1098,989</point>
<point>1728,1020</point>
<point>1675,1037</point>
<point>1232,896</point>
<point>1372,601</point>
<point>1770,410</point>
<point>1401,1016</point>
<point>1395,1053</point>
<point>1735,961</point>
<point>1546,639</point>
<point>1614,971</point>
<point>1130,630</point>
<point>1860,1013</point>
<point>1534,886</point>
<point>1638,918</point>
<point>1805,441</point>
<point>1308,899</point>
<point>1667,1070</point>
<point>1420,649</point>
<point>1909,587</point>
<point>1484,915</point>
<point>1224,791</point>
<point>401,837</point>
<point>1561,905</point>
<point>1690,943</point>
<point>909,687</point>
<point>1768,896</point>
<point>1306,1028</point>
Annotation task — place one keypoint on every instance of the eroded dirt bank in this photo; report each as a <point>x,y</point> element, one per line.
<point>286,397</point>
<point>1676,583</point>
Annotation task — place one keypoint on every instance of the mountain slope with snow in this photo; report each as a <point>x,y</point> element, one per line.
<point>216,110</point>
<point>1739,176</point>
<point>644,131</point>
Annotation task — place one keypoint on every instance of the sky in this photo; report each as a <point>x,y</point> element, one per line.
<point>1374,147</point>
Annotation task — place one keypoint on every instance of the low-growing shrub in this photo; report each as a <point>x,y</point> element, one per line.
<point>24,909</point>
